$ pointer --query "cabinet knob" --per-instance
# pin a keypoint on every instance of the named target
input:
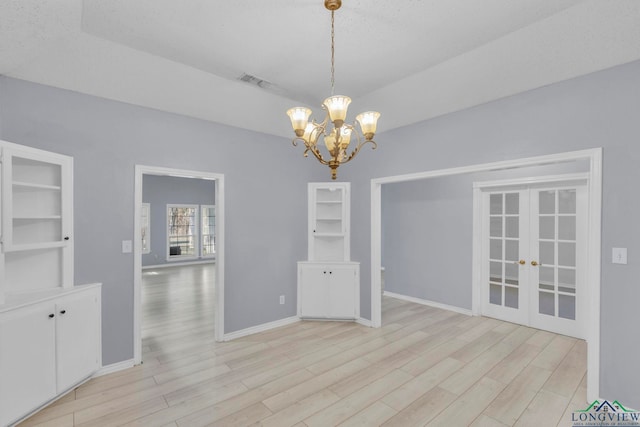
(51, 316)
(63, 311)
(324, 272)
(66, 237)
(331, 272)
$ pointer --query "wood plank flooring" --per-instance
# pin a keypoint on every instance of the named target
(425, 366)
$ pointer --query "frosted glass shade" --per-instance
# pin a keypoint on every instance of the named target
(337, 107)
(307, 133)
(330, 141)
(368, 123)
(345, 138)
(299, 118)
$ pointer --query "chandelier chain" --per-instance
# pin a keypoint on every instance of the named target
(333, 67)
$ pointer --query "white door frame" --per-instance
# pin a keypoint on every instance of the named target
(479, 293)
(594, 156)
(141, 170)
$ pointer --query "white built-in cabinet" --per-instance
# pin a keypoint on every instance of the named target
(328, 282)
(47, 346)
(50, 330)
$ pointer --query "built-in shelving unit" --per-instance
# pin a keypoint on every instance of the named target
(37, 220)
(50, 330)
(328, 282)
(328, 222)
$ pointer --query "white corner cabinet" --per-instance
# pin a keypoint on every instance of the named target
(328, 282)
(50, 330)
(329, 290)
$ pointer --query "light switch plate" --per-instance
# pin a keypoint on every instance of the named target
(127, 247)
(619, 255)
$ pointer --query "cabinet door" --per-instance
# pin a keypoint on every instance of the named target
(78, 335)
(313, 291)
(27, 360)
(341, 291)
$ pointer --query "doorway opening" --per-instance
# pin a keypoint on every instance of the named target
(593, 158)
(200, 243)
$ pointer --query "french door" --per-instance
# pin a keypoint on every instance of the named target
(534, 256)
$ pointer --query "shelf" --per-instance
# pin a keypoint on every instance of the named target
(328, 202)
(329, 219)
(328, 234)
(36, 246)
(31, 186)
(36, 217)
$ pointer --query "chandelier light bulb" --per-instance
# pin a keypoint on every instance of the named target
(368, 123)
(299, 118)
(337, 106)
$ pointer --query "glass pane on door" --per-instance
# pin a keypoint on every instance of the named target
(504, 241)
(557, 253)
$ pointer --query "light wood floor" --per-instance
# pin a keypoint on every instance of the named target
(425, 366)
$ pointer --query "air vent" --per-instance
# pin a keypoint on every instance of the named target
(255, 81)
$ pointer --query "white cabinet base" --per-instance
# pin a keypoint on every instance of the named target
(50, 342)
(329, 290)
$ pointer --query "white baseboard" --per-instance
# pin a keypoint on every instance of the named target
(364, 322)
(429, 303)
(114, 367)
(179, 264)
(260, 328)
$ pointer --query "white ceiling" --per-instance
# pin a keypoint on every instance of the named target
(409, 59)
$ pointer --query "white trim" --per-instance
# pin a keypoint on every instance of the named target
(429, 303)
(566, 179)
(114, 367)
(260, 328)
(594, 155)
(364, 322)
(141, 170)
(593, 272)
(207, 260)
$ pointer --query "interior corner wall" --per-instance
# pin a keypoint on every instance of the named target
(426, 229)
(265, 209)
(596, 110)
(160, 191)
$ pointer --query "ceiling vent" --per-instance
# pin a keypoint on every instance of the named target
(256, 81)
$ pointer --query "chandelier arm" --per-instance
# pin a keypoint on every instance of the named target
(358, 147)
(314, 150)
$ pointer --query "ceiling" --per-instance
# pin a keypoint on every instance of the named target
(409, 59)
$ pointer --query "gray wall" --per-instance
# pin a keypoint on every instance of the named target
(597, 110)
(427, 227)
(265, 231)
(159, 191)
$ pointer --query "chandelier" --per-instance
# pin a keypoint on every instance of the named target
(337, 139)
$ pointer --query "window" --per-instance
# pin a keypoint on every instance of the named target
(145, 227)
(208, 221)
(182, 235)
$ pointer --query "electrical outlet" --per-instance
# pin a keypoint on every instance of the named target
(619, 256)
(281, 299)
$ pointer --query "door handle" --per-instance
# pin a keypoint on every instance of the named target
(521, 262)
(535, 263)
